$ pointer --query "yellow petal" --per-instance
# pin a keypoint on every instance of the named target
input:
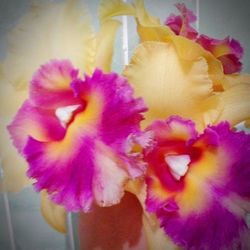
(113, 8)
(170, 85)
(189, 50)
(13, 165)
(235, 104)
(10, 100)
(49, 30)
(54, 214)
(231, 80)
(105, 44)
(149, 28)
(155, 235)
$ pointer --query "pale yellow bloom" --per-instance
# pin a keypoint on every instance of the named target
(176, 76)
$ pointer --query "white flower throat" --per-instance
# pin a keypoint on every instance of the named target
(65, 114)
(178, 165)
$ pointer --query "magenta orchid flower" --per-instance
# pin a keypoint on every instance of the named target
(198, 185)
(74, 135)
(228, 51)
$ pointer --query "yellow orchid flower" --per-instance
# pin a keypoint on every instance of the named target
(186, 79)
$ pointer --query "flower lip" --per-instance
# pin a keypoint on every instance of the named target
(178, 165)
(65, 114)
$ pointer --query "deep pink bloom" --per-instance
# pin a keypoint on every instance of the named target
(198, 185)
(74, 135)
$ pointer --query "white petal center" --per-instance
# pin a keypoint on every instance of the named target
(178, 165)
(64, 114)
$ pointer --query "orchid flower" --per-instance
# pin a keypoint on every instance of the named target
(198, 184)
(72, 146)
(187, 79)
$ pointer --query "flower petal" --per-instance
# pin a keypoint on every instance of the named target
(149, 28)
(54, 215)
(105, 44)
(13, 165)
(180, 87)
(235, 104)
(38, 37)
(114, 8)
(50, 85)
(41, 124)
(181, 24)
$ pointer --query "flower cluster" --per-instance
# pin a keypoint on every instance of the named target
(87, 138)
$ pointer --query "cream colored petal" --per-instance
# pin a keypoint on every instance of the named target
(49, 30)
(113, 8)
(235, 104)
(155, 235)
(10, 100)
(149, 28)
(170, 85)
(54, 214)
(189, 50)
(231, 80)
(105, 44)
(13, 165)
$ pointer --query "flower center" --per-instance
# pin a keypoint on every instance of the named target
(65, 114)
(178, 165)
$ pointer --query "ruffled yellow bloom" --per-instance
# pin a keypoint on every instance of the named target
(48, 30)
(176, 76)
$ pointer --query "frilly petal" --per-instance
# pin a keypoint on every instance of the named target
(41, 124)
(180, 87)
(50, 85)
(54, 214)
(181, 24)
(189, 50)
